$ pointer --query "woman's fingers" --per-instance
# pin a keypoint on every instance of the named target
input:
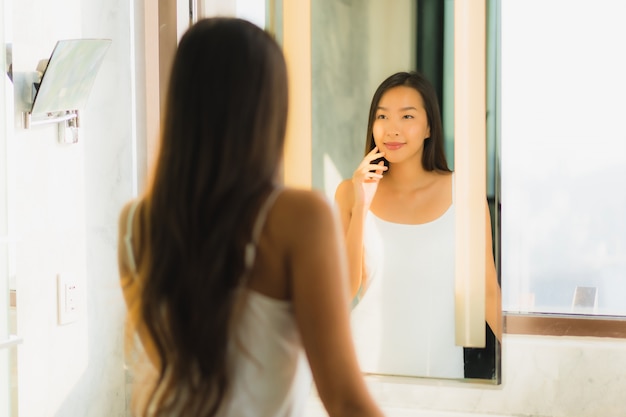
(381, 167)
(367, 164)
(367, 176)
(368, 171)
(373, 151)
(372, 176)
(375, 172)
(372, 155)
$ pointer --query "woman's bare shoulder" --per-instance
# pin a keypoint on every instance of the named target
(344, 195)
(299, 212)
(345, 187)
(443, 179)
(442, 174)
(294, 202)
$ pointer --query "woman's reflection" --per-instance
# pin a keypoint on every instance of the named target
(398, 216)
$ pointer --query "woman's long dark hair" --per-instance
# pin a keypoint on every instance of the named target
(433, 157)
(221, 144)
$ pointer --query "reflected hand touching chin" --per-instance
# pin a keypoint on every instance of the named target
(367, 176)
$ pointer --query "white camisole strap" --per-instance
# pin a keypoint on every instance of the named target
(258, 227)
(250, 247)
(128, 237)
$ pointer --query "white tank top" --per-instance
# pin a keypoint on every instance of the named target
(404, 324)
(271, 376)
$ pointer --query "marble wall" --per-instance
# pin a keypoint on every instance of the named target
(67, 199)
(350, 58)
(542, 377)
(6, 353)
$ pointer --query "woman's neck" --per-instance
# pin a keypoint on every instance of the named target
(407, 175)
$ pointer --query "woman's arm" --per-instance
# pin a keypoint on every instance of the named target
(319, 292)
(352, 220)
(354, 197)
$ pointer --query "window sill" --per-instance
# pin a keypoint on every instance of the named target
(564, 325)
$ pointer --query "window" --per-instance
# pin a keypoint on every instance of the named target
(563, 162)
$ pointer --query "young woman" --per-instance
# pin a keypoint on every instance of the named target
(398, 217)
(226, 286)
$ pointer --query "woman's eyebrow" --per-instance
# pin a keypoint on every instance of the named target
(401, 109)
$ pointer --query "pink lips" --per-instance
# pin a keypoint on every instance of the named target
(392, 146)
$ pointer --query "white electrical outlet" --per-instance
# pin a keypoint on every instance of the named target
(68, 299)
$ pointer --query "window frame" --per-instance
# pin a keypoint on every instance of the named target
(564, 325)
(538, 323)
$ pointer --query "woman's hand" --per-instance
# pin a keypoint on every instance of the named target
(366, 178)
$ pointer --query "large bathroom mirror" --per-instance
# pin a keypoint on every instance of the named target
(355, 45)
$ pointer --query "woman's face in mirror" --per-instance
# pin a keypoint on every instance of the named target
(401, 124)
